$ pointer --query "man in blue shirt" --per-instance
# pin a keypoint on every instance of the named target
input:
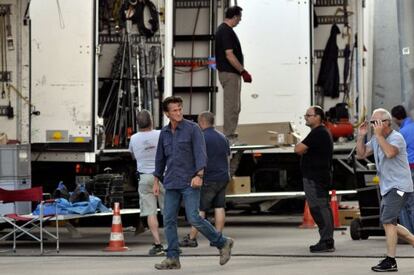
(216, 176)
(179, 163)
(399, 116)
(390, 154)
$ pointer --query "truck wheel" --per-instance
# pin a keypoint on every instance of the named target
(364, 235)
(356, 229)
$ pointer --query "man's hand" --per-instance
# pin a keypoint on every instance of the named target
(363, 129)
(156, 187)
(378, 128)
(196, 182)
(246, 76)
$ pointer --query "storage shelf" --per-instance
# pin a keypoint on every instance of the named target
(319, 53)
(189, 38)
(196, 89)
(329, 3)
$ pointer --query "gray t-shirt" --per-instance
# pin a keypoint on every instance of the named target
(393, 172)
(143, 146)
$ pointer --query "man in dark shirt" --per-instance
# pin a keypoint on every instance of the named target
(230, 64)
(180, 161)
(216, 176)
(316, 165)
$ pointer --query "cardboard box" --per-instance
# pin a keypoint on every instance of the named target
(239, 185)
(277, 133)
(346, 216)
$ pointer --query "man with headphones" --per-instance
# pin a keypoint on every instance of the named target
(316, 152)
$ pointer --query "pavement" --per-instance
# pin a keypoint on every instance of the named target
(264, 244)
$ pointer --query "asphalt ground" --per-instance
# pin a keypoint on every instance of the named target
(264, 244)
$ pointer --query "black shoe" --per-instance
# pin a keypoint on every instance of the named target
(187, 242)
(321, 247)
(156, 250)
(387, 265)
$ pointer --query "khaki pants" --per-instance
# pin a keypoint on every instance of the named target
(231, 83)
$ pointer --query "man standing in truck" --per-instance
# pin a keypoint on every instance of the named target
(230, 64)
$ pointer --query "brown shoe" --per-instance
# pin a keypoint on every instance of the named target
(168, 263)
(225, 251)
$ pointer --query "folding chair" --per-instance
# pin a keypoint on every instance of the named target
(24, 224)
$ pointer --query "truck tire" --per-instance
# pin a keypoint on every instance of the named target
(364, 235)
(355, 229)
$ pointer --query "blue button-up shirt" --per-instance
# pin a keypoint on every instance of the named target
(180, 155)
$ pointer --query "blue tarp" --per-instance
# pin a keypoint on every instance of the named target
(64, 207)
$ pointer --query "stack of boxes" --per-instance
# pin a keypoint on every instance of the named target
(15, 174)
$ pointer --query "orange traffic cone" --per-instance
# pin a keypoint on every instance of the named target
(116, 241)
(308, 221)
(335, 209)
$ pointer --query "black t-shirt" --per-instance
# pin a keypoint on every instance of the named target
(316, 163)
(227, 39)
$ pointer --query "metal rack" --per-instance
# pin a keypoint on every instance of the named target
(182, 40)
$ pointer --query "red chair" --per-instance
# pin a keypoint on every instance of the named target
(23, 224)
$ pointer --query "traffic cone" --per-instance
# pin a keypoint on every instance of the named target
(116, 241)
(308, 221)
(335, 209)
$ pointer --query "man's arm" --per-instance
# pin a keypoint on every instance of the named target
(131, 150)
(160, 160)
(362, 150)
(233, 60)
(200, 156)
(301, 148)
(156, 186)
(389, 150)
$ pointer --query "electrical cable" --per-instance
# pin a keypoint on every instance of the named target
(154, 21)
(3, 92)
(192, 58)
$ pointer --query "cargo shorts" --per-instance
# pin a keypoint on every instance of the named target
(391, 205)
(147, 199)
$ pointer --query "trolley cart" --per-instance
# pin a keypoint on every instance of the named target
(369, 198)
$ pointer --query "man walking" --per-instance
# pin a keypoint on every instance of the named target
(216, 177)
(316, 152)
(180, 162)
(143, 146)
(230, 64)
(406, 125)
(389, 150)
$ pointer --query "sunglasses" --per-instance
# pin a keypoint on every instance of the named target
(373, 121)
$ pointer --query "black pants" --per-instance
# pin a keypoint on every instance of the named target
(318, 200)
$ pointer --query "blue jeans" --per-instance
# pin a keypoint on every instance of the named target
(191, 198)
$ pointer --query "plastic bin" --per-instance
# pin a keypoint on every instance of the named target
(14, 161)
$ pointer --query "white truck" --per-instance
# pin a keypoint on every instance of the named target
(85, 70)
